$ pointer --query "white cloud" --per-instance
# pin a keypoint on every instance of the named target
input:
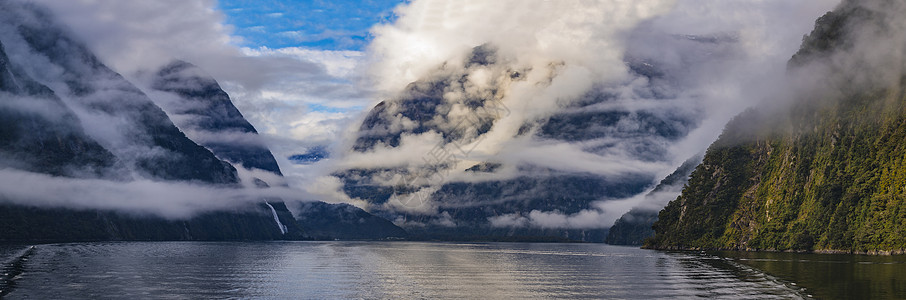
(600, 214)
(719, 56)
(337, 63)
(275, 89)
(134, 35)
(166, 199)
(585, 219)
(429, 33)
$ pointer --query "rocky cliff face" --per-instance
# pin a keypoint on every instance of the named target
(825, 174)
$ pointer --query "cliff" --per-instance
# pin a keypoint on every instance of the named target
(825, 173)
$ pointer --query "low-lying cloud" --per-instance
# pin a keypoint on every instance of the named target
(173, 200)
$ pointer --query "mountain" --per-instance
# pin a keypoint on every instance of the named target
(39, 133)
(825, 173)
(68, 115)
(21, 223)
(207, 114)
(145, 139)
(445, 193)
(315, 154)
(326, 221)
(635, 226)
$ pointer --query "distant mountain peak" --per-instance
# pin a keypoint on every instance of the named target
(207, 114)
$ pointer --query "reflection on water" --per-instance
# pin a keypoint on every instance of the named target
(385, 270)
(831, 276)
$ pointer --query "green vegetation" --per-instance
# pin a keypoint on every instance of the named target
(840, 186)
(827, 176)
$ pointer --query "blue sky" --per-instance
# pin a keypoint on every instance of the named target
(314, 24)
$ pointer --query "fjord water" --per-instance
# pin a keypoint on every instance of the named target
(395, 270)
(833, 276)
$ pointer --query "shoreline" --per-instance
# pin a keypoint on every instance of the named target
(672, 248)
(817, 251)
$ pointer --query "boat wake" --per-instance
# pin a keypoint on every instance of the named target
(12, 270)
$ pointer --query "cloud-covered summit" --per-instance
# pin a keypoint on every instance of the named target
(611, 94)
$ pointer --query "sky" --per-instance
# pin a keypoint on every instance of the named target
(305, 73)
(323, 25)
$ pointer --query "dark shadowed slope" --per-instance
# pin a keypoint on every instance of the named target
(205, 112)
(39, 133)
(635, 226)
(65, 114)
(144, 137)
(208, 115)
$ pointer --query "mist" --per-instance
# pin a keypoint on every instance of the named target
(125, 154)
(693, 64)
(143, 197)
(716, 58)
(870, 56)
(296, 98)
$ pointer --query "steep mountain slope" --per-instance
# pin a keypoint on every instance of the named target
(326, 221)
(635, 226)
(143, 137)
(205, 112)
(39, 133)
(65, 114)
(826, 174)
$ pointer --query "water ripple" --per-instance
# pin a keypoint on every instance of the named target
(378, 270)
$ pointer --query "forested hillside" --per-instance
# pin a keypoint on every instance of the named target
(826, 172)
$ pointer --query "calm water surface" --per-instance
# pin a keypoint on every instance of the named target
(833, 276)
(375, 270)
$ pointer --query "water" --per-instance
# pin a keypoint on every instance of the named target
(375, 270)
(834, 276)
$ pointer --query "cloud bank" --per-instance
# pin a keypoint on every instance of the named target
(691, 64)
(174, 200)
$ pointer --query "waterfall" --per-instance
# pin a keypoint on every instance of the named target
(276, 218)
